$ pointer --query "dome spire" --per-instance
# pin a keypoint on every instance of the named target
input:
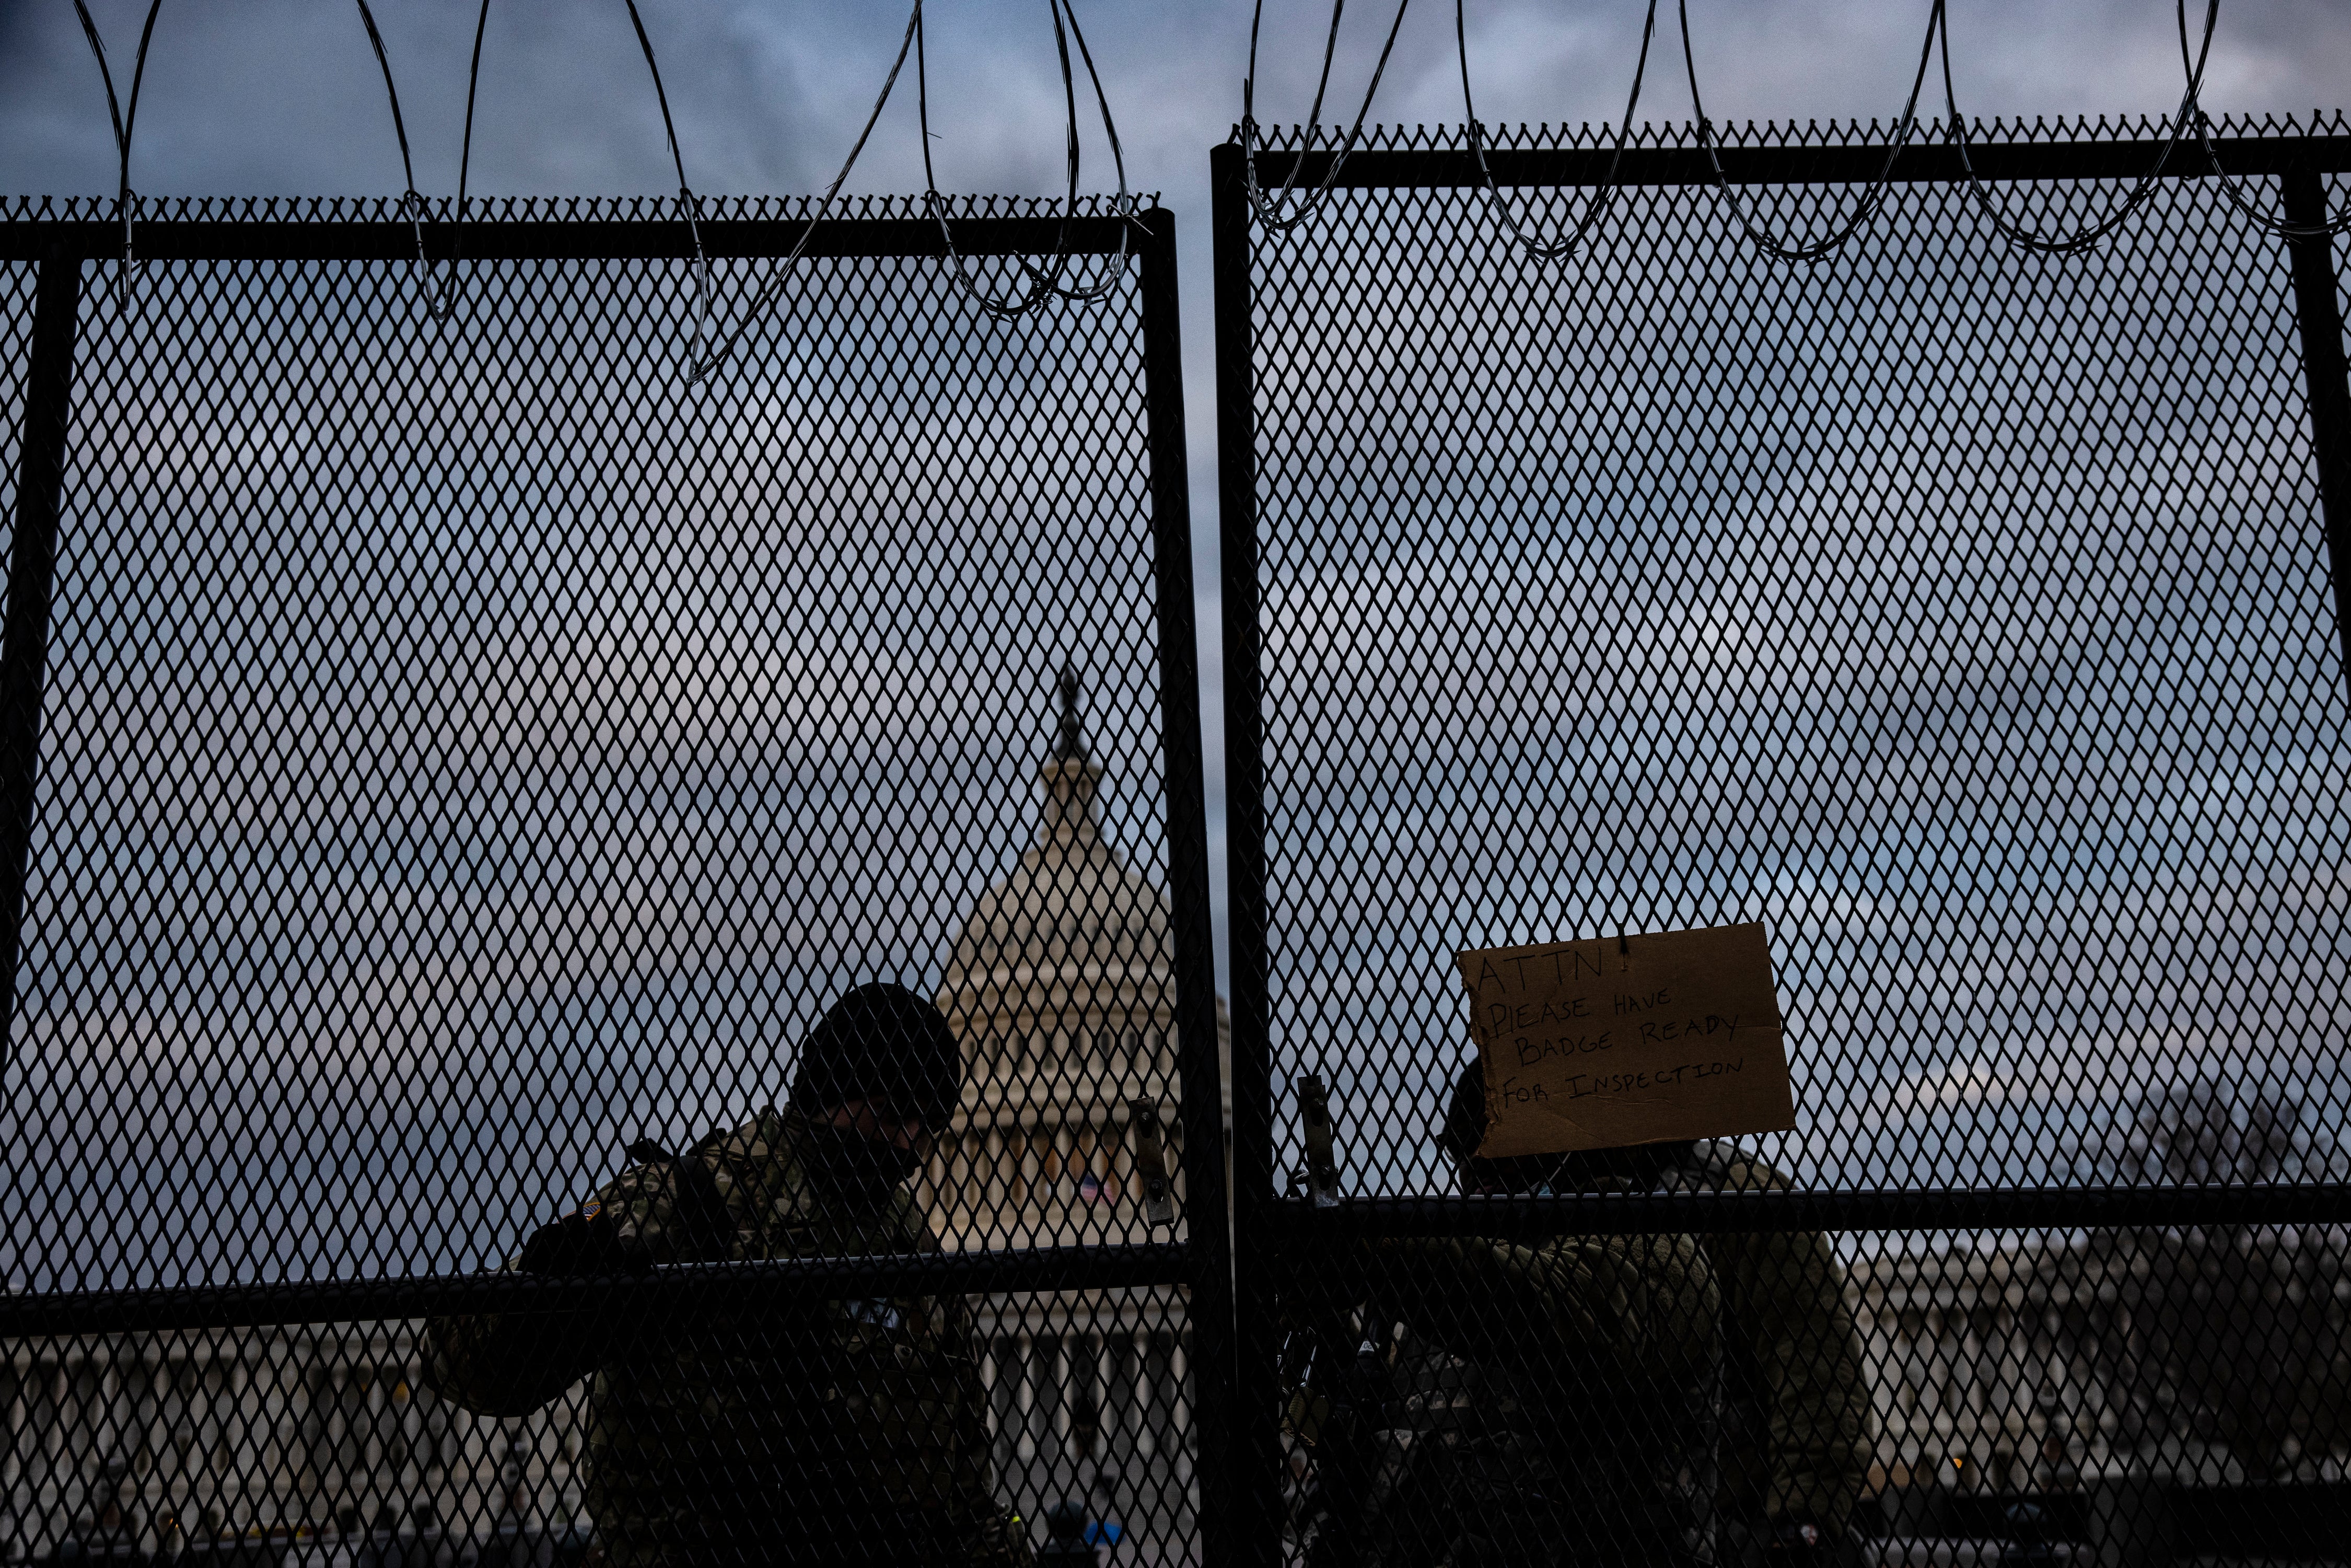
(1069, 773)
(1071, 744)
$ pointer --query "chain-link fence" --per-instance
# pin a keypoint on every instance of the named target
(454, 775)
(1962, 615)
(452, 769)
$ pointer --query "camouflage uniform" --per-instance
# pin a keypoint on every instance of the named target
(1551, 1404)
(823, 1433)
(1796, 1438)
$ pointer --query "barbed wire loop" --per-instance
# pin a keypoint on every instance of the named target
(121, 142)
(2084, 238)
(411, 202)
(1044, 283)
(441, 299)
(125, 122)
(1602, 198)
(1872, 198)
(1276, 214)
(772, 288)
(689, 207)
(2339, 223)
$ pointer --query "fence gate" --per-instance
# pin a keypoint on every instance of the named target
(1962, 612)
(438, 755)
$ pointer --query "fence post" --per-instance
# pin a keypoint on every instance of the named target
(2320, 316)
(32, 570)
(1209, 1254)
(1256, 1453)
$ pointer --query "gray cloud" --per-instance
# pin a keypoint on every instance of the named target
(281, 96)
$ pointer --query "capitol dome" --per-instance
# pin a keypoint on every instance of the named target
(1062, 988)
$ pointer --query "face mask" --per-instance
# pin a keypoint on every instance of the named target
(847, 1164)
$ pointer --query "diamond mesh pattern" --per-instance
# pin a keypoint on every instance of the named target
(16, 283)
(466, 752)
(1961, 615)
(240, 1445)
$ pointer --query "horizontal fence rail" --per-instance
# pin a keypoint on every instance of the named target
(1736, 1213)
(1923, 161)
(663, 1292)
(556, 239)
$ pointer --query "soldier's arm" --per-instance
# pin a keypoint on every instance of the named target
(506, 1364)
(992, 1536)
(511, 1363)
(1786, 1294)
(1614, 1295)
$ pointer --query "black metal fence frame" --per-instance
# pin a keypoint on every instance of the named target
(1232, 1352)
(1264, 1222)
(62, 250)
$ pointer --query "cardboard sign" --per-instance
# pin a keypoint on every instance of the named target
(1628, 1039)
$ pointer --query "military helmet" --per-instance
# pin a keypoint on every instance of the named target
(881, 1042)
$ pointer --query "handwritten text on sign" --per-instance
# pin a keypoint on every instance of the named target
(1630, 1039)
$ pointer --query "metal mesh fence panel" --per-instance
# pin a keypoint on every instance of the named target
(609, 968)
(1961, 615)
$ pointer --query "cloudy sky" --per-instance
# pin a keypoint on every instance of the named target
(281, 96)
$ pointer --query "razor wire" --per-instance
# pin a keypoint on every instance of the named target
(2090, 235)
(125, 123)
(1602, 198)
(411, 201)
(2338, 224)
(1044, 283)
(125, 120)
(441, 303)
(688, 206)
(1872, 198)
(1269, 213)
(2191, 112)
(772, 289)
(442, 291)
(121, 142)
